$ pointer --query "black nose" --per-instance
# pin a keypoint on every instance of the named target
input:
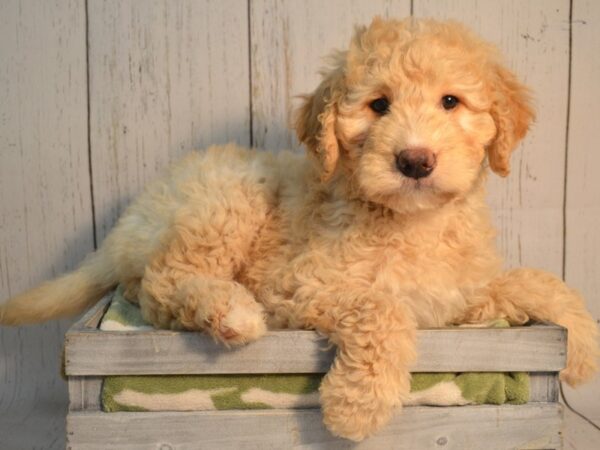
(416, 162)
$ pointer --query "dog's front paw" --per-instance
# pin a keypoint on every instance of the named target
(224, 309)
(353, 407)
(582, 353)
(238, 320)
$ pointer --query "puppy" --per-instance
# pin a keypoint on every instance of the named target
(382, 229)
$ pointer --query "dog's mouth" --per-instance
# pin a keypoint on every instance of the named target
(419, 184)
(412, 185)
(424, 191)
(381, 181)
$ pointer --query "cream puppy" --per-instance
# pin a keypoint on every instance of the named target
(382, 229)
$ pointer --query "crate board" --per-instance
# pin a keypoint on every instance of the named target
(89, 351)
(531, 426)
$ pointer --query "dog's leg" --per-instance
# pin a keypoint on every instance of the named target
(369, 378)
(224, 309)
(520, 294)
(190, 283)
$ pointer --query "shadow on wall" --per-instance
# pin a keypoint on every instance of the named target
(124, 179)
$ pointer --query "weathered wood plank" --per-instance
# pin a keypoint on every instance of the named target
(84, 393)
(165, 77)
(582, 213)
(91, 319)
(527, 205)
(538, 348)
(533, 426)
(289, 42)
(543, 387)
(46, 222)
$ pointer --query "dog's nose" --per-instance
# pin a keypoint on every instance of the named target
(416, 162)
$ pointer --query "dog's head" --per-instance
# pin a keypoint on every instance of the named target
(410, 111)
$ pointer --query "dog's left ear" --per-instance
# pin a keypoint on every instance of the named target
(512, 112)
(315, 122)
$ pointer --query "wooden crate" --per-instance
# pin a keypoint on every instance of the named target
(91, 354)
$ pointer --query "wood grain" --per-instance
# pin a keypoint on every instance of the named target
(91, 319)
(165, 77)
(532, 426)
(527, 205)
(582, 213)
(92, 352)
(84, 393)
(543, 387)
(45, 207)
(289, 43)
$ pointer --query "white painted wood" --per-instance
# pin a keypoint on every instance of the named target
(165, 77)
(533, 426)
(39, 428)
(45, 207)
(92, 318)
(582, 246)
(543, 387)
(93, 352)
(290, 40)
(84, 393)
(534, 38)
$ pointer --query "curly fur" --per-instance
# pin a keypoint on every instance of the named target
(231, 240)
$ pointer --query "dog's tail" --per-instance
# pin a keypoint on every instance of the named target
(66, 296)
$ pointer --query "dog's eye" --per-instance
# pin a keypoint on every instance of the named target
(380, 105)
(449, 102)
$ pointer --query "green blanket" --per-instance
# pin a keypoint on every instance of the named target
(281, 391)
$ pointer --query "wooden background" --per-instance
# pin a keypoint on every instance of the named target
(96, 97)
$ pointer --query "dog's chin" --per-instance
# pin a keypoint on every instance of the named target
(412, 196)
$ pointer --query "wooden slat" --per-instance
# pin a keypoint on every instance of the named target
(45, 208)
(84, 393)
(91, 319)
(582, 213)
(534, 426)
(46, 222)
(537, 348)
(527, 205)
(543, 387)
(165, 77)
(290, 40)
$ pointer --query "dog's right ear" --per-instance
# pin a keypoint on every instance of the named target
(315, 122)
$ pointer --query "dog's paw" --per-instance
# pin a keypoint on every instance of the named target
(224, 309)
(351, 412)
(243, 323)
(238, 320)
(344, 419)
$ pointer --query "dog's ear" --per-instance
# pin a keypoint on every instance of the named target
(512, 112)
(315, 122)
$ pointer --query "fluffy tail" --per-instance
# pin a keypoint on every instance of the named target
(65, 296)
